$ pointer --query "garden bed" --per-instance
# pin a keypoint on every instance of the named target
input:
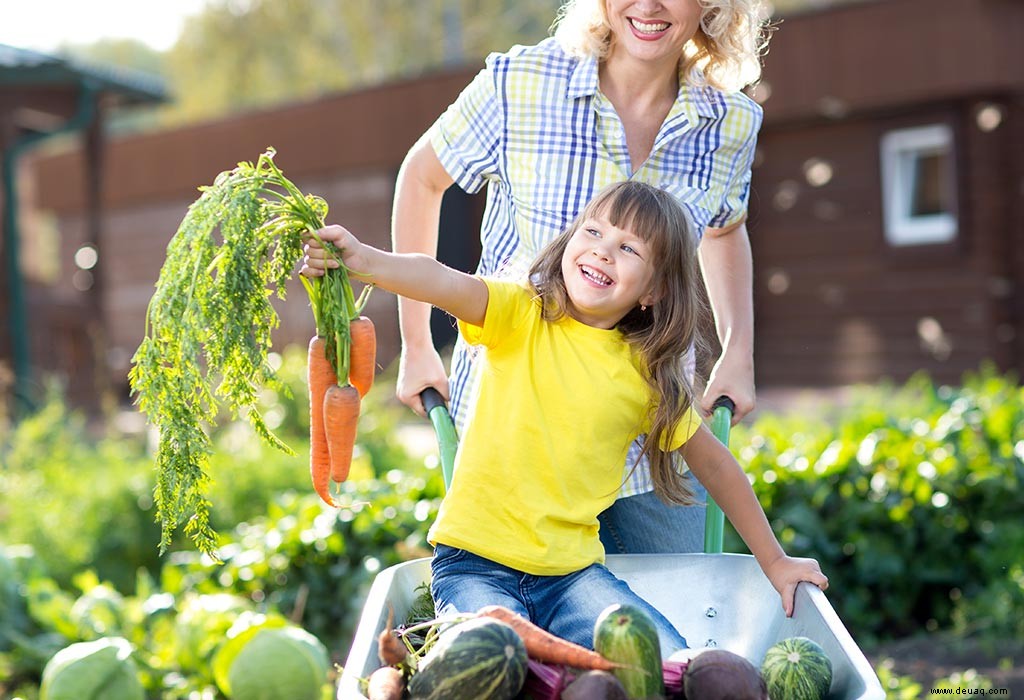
(929, 659)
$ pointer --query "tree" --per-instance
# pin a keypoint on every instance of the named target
(241, 54)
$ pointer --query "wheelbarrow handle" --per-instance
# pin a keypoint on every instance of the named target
(714, 519)
(431, 398)
(444, 431)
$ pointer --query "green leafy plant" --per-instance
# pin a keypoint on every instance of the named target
(917, 483)
(209, 323)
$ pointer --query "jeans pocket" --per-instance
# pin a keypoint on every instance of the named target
(444, 558)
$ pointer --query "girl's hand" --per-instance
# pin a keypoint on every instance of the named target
(318, 259)
(787, 572)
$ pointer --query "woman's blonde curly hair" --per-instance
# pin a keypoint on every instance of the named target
(725, 52)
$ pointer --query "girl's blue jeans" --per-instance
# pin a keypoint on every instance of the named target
(567, 606)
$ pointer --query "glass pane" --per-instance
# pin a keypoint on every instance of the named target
(929, 195)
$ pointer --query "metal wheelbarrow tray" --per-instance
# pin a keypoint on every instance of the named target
(713, 599)
(721, 600)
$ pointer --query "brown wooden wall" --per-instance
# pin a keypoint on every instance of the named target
(834, 303)
(346, 148)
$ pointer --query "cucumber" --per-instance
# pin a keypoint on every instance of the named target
(627, 635)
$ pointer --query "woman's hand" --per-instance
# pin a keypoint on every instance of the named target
(732, 376)
(787, 572)
(419, 368)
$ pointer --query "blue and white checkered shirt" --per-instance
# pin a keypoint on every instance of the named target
(534, 126)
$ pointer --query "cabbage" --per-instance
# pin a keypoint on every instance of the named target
(272, 661)
(100, 670)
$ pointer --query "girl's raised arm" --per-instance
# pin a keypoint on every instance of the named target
(410, 275)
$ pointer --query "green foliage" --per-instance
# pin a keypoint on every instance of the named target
(234, 56)
(919, 485)
(76, 498)
(316, 564)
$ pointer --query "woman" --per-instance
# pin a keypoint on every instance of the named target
(642, 90)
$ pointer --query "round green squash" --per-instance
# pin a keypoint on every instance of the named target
(99, 670)
(797, 669)
(480, 659)
(627, 635)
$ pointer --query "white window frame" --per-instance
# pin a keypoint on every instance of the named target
(900, 149)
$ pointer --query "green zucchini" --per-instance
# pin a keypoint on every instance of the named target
(627, 635)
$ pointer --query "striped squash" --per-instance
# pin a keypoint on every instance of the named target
(797, 669)
(480, 659)
(627, 635)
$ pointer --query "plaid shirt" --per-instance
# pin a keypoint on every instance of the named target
(534, 126)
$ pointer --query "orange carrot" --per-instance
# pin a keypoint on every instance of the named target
(390, 649)
(341, 414)
(543, 646)
(363, 354)
(386, 683)
(319, 376)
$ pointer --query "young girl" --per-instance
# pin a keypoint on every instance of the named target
(578, 361)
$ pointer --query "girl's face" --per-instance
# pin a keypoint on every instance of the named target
(652, 30)
(608, 271)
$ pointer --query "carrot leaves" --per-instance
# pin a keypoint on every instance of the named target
(209, 325)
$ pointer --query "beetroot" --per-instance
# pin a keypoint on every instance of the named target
(718, 674)
(595, 685)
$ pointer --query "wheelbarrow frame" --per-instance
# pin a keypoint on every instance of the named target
(710, 614)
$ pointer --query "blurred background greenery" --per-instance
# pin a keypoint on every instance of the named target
(910, 496)
(236, 56)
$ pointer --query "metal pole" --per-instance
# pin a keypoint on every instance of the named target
(18, 322)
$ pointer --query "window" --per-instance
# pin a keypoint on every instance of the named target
(918, 193)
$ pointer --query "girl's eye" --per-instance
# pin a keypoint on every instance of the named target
(593, 232)
(630, 249)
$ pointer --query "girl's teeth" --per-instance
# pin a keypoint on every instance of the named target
(596, 276)
(650, 27)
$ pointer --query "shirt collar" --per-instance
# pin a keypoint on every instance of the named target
(583, 80)
(694, 101)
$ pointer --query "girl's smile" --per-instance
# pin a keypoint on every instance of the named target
(607, 272)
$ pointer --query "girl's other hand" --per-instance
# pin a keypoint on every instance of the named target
(787, 572)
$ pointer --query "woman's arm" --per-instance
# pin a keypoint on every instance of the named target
(410, 275)
(415, 221)
(726, 262)
(716, 468)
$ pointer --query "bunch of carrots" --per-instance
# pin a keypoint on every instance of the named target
(208, 336)
(340, 370)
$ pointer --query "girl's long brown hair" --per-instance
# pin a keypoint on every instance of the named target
(663, 334)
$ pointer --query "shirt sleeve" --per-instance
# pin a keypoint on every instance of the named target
(685, 429)
(742, 122)
(507, 305)
(467, 136)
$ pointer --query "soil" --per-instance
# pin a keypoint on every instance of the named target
(928, 659)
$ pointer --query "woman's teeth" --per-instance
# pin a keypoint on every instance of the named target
(649, 27)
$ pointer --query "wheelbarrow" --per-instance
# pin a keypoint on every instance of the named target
(715, 599)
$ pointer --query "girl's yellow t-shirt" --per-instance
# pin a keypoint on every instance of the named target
(542, 453)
